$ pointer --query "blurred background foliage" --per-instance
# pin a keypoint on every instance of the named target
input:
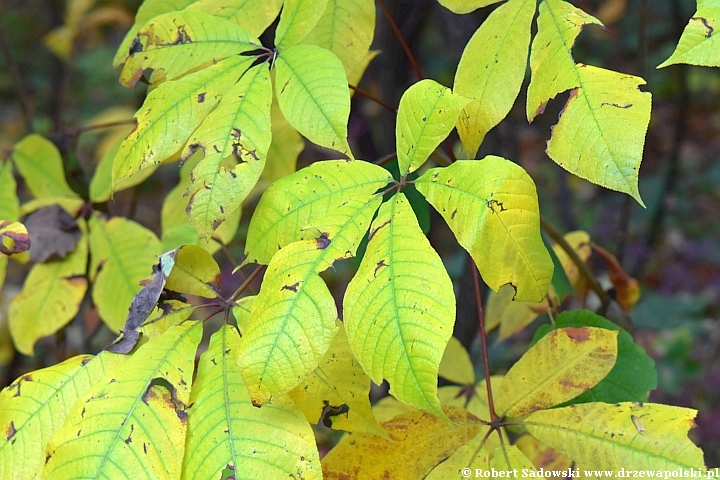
(56, 77)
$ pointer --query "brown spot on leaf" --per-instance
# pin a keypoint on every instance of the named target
(496, 206)
(323, 241)
(10, 431)
(201, 97)
(708, 28)
(379, 265)
(292, 288)
(578, 335)
(331, 411)
(375, 230)
(616, 105)
(182, 36)
(540, 109)
(166, 392)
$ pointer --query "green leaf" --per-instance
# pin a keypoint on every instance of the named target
(292, 323)
(240, 128)
(148, 10)
(176, 43)
(50, 297)
(335, 394)
(252, 15)
(465, 6)
(312, 91)
(605, 436)
(562, 365)
(492, 69)
(131, 424)
(399, 308)
(122, 253)
(284, 149)
(170, 114)
(39, 163)
(699, 44)
(225, 430)
(633, 375)
(601, 132)
(294, 202)
(297, 19)
(560, 281)
(35, 405)
(427, 113)
(9, 202)
(456, 365)
(491, 205)
(346, 28)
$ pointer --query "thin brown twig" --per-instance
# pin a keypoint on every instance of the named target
(401, 39)
(372, 97)
(483, 341)
(582, 268)
(246, 283)
(386, 159)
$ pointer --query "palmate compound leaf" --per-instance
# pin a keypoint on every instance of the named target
(252, 15)
(492, 69)
(297, 19)
(312, 90)
(35, 405)
(227, 433)
(335, 394)
(700, 41)
(492, 208)
(176, 43)
(562, 365)
(427, 113)
(122, 253)
(297, 201)
(632, 377)
(292, 323)
(419, 442)
(50, 297)
(170, 114)
(601, 132)
(132, 424)
(633, 436)
(465, 6)
(399, 309)
(239, 127)
(346, 28)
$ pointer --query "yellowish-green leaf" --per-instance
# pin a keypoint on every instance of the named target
(419, 443)
(252, 15)
(465, 6)
(491, 205)
(601, 132)
(551, 62)
(428, 112)
(543, 456)
(509, 458)
(132, 424)
(511, 316)
(292, 324)
(472, 455)
(633, 436)
(456, 365)
(700, 42)
(225, 430)
(122, 253)
(238, 127)
(195, 272)
(71, 205)
(159, 321)
(399, 309)
(335, 394)
(346, 28)
(297, 19)
(170, 114)
(284, 149)
(177, 43)
(9, 202)
(562, 365)
(312, 91)
(388, 408)
(148, 10)
(35, 405)
(242, 310)
(492, 69)
(50, 297)
(294, 202)
(38, 161)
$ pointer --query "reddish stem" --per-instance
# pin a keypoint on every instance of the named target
(372, 97)
(483, 340)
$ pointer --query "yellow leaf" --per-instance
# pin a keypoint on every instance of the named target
(132, 424)
(71, 204)
(35, 405)
(472, 457)
(38, 161)
(284, 149)
(14, 238)
(9, 203)
(242, 310)
(510, 315)
(122, 253)
(604, 437)
(388, 408)
(419, 442)
(336, 392)
(542, 456)
(580, 242)
(50, 297)
(195, 272)
(562, 365)
(492, 69)
(159, 321)
(227, 433)
(511, 460)
(456, 365)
